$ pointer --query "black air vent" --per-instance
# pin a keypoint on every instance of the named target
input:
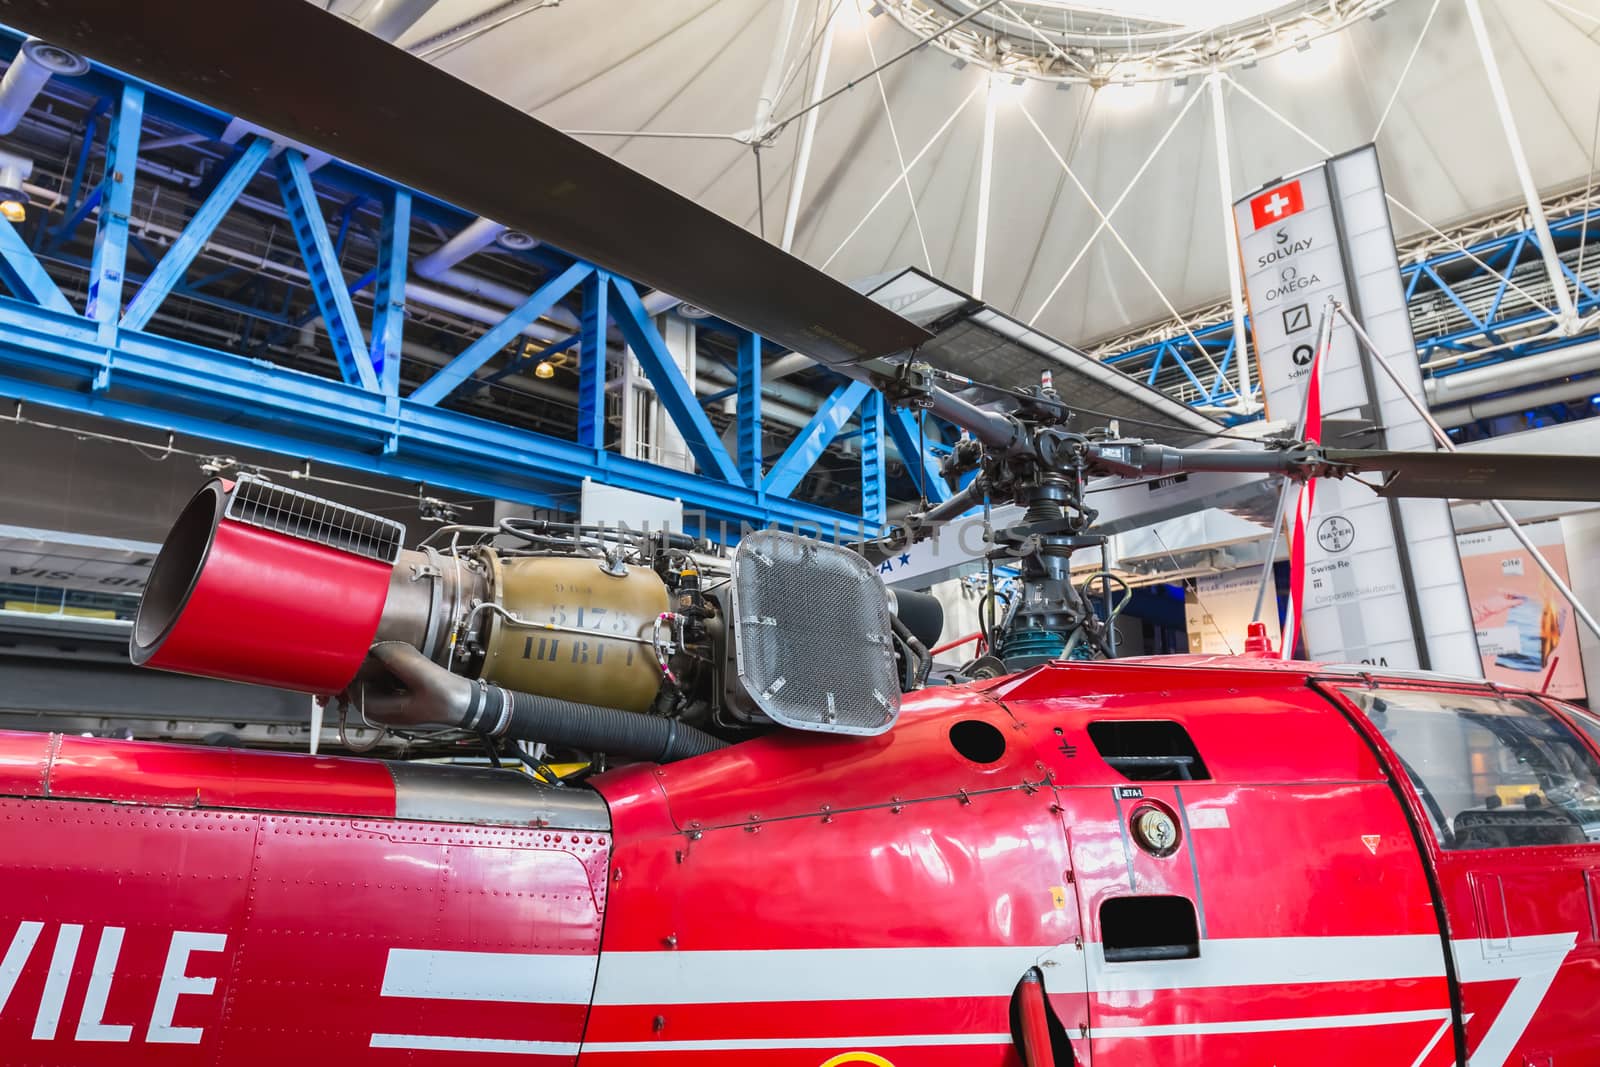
(1149, 750)
(1138, 929)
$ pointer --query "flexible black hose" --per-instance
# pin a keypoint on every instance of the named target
(608, 730)
(435, 696)
(924, 661)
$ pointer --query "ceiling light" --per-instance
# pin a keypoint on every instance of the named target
(516, 240)
(690, 311)
(544, 369)
(14, 170)
(54, 58)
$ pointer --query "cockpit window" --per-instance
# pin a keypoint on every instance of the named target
(1587, 722)
(1492, 772)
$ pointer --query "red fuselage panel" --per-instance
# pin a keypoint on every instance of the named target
(791, 901)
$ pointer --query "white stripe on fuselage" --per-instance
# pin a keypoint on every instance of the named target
(1270, 1026)
(433, 1043)
(751, 976)
(515, 977)
(1533, 962)
(757, 1044)
(743, 976)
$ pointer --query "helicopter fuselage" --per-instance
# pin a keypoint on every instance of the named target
(1207, 860)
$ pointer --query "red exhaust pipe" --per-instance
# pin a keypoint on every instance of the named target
(260, 583)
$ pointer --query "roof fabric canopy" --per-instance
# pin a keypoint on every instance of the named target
(699, 66)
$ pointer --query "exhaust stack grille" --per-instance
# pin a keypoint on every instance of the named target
(256, 501)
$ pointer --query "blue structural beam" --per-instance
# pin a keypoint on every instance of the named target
(51, 358)
(814, 438)
(592, 360)
(170, 271)
(874, 477)
(389, 292)
(51, 354)
(327, 281)
(748, 429)
(1474, 281)
(116, 203)
(72, 208)
(921, 465)
(24, 275)
(489, 344)
(672, 389)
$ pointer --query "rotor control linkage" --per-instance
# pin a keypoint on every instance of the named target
(1132, 459)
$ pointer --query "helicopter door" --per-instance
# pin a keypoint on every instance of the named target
(1138, 898)
(1511, 796)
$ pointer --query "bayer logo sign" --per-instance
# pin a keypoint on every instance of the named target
(1335, 533)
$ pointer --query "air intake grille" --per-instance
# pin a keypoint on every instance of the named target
(258, 502)
(811, 635)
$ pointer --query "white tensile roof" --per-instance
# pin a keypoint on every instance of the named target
(698, 66)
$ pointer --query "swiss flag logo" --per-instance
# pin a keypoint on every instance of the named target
(1275, 205)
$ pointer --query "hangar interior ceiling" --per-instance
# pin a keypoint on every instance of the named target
(672, 90)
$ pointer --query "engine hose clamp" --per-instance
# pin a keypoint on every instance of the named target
(475, 706)
(672, 737)
(504, 722)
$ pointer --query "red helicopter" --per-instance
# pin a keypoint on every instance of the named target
(753, 833)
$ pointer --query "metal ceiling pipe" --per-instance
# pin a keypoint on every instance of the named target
(1559, 393)
(655, 303)
(524, 383)
(775, 71)
(428, 296)
(389, 19)
(808, 133)
(790, 405)
(783, 366)
(473, 238)
(37, 61)
(451, 304)
(1528, 370)
(425, 295)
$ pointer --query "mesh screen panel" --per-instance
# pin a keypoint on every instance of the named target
(812, 635)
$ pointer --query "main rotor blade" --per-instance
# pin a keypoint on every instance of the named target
(1477, 475)
(312, 77)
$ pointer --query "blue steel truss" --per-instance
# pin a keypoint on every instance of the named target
(1469, 308)
(322, 265)
(103, 360)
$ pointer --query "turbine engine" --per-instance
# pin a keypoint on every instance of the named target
(635, 645)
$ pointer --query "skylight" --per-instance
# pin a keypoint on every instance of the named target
(1190, 14)
(1103, 42)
